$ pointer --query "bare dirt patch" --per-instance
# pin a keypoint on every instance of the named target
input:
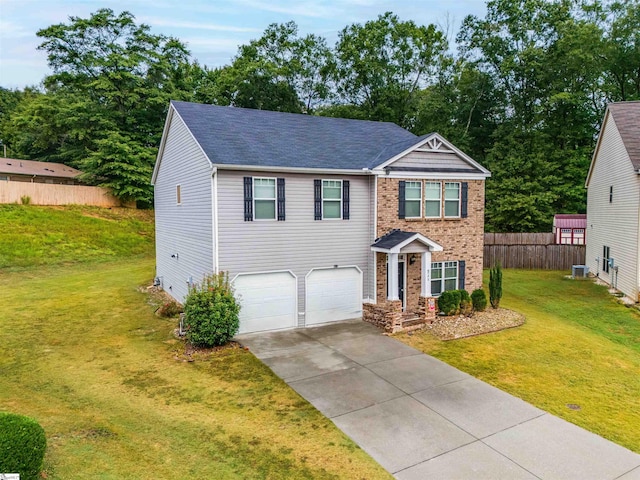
(461, 326)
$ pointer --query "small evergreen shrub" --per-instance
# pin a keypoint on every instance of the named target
(25, 200)
(465, 302)
(22, 446)
(449, 302)
(169, 309)
(211, 312)
(495, 285)
(479, 300)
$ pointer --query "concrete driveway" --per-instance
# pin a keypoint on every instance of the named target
(421, 418)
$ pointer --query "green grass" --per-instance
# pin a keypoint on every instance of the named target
(578, 346)
(34, 236)
(83, 353)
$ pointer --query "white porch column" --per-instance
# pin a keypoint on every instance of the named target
(425, 285)
(392, 284)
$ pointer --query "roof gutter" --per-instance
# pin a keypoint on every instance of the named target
(326, 171)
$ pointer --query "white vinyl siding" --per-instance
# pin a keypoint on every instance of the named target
(432, 199)
(264, 198)
(444, 277)
(183, 211)
(331, 199)
(451, 199)
(614, 224)
(300, 244)
(413, 200)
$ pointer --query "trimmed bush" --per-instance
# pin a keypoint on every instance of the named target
(465, 303)
(169, 309)
(479, 300)
(211, 312)
(449, 302)
(22, 446)
(495, 285)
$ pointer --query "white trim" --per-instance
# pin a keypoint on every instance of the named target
(373, 237)
(425, 271)
(433, 246)
(275, 198)
(173, 111)
(322, 200)
(432, 175)
(392, 276)
(463, 156)
(324, 171)
(214, 214)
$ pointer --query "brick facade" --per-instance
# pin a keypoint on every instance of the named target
(461, 238)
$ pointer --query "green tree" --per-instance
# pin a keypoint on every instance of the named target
(383, 64)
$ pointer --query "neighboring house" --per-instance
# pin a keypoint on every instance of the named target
(38, 172)
(314, 216)
(613, 200)
(569, 229)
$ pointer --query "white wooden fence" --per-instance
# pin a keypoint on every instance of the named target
(52, 194)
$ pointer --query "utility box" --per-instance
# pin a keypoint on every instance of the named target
(579, 271)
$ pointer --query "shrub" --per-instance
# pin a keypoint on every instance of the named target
(449, 302)
(211, 312)
(479, 300)
(169, 309)
(22, 446)
(495, 285)
(465, 302)
(25, 200)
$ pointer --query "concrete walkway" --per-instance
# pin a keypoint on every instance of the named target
(421, 418)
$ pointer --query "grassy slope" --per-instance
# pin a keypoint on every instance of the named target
(84, 355)
(578, 346)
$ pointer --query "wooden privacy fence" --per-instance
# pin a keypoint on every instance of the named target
(531, 251)
(52, 194)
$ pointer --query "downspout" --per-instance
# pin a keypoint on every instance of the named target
(374, 223)
(214, 218)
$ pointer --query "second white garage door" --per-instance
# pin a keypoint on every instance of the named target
(268, 301)
(333, 294)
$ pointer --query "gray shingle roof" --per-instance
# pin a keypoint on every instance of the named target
(392, 239)
(627, 118)
(240, 136)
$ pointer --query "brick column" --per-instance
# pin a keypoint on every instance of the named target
(394, 315)
(427, 308)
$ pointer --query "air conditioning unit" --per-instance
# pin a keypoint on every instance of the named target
(579, 271)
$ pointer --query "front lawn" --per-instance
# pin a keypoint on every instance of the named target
(578, 347)
(83, 353)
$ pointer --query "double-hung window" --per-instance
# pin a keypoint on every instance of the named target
(413, 200)
(331, 199)
(432, 199)
(444, 276)
(264, 198)
(452, 199)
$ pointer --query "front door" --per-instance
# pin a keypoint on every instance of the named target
(401, 281)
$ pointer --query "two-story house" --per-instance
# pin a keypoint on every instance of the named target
(312, 217)
(613, 200)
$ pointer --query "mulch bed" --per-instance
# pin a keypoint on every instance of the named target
(461, 326)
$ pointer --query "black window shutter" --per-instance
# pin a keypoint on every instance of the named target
(281, 215)
(248, 199)
(401, 199)
(461, 268)
(345, 199)
(317, 199)
(463, 199)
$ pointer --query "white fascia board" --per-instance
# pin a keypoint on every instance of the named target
(597, 149)
(433, 246)
(448, 144)
(432, 175)
(163, 141)
(325, 171)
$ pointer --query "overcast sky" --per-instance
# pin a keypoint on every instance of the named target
(212, 30)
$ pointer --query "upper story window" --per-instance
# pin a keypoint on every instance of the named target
(264, 199)
(331, 199)
(441, 199)
(452, 199)
(413, 200)
(432, 199)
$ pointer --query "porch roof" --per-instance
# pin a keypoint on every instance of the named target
(393, 242)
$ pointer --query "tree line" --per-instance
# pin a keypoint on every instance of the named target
(523, 92)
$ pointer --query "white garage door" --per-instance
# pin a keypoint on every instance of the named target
(333, 294)
(268, 301)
